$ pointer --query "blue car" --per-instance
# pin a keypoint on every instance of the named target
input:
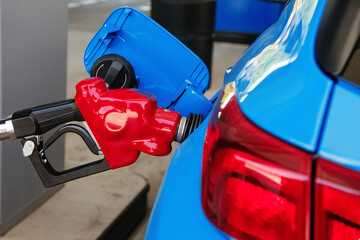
(278, 157)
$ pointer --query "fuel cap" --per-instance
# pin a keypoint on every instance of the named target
(115, 70)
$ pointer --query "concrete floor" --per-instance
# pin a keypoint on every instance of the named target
(85, 18)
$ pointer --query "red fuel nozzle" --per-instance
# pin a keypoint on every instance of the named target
(126, 122)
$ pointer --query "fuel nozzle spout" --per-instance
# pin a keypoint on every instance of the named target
(187, 126)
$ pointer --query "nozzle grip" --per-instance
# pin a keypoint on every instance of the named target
(51, 177)
(38, 120)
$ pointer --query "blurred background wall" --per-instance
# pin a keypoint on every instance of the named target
(33, 41)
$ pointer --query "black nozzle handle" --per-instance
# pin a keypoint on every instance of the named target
(38, 120)
(47, 173)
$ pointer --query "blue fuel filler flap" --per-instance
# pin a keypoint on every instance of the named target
(162, 64)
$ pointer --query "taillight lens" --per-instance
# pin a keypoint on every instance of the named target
(254, 186)
(337, 202)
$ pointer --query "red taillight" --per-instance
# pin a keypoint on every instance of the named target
(254, 186)
(337, 202)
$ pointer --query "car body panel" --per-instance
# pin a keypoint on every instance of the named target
(177, 212)
(246, 16)
(340, 142)
(280, 85)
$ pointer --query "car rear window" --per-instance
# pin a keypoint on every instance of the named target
(352, 69)
(337, 43)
